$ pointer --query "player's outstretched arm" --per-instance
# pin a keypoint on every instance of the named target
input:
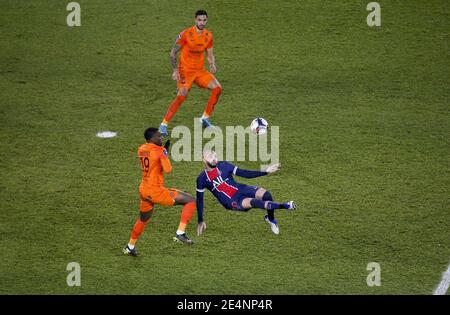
(252, 173)
(248, 173)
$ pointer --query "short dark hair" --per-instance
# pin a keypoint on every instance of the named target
(149, 132)
(201, 12)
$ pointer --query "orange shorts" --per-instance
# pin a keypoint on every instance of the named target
(162, 196)
(199, 77)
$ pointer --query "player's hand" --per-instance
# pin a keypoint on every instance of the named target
(176, 75)
(167, 145)
(212, 68)
(273, 168)
(200, 228)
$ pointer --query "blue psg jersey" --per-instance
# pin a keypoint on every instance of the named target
(222, 185)
(220, 182)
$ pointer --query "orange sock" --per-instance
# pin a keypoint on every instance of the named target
(137, 230)
(173, 108)
(186, 215)
(212, 101)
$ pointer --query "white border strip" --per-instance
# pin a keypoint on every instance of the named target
(444, 284)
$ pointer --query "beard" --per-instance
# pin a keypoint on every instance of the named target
(211, 165)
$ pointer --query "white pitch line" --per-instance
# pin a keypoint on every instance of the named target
(106, 134)
(443, 285)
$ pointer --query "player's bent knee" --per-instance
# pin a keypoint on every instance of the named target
(246, 204)
(145, 216)
(260, 193)
(214, 85)
(218, 90)
(182, 92)
(267, 196)
(190, 199)
(183, 198)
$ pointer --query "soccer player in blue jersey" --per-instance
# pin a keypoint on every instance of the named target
(217, 177)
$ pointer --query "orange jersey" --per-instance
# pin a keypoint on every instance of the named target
(154, 161)
(193, 47)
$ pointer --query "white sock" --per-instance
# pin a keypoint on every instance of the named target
(204, 117)
(163, 124)
(130, 246)
(179, 232)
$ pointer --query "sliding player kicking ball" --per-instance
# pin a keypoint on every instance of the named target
(217, 177)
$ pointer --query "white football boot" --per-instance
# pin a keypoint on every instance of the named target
(292, 205)
(273, 224)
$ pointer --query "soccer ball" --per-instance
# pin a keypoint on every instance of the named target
(259, 126)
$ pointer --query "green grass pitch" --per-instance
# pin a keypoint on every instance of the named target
(364, 118)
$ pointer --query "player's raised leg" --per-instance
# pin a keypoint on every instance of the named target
(187, 213)
(263, 200)
(268, 205)
(173, 108)
(265, 195)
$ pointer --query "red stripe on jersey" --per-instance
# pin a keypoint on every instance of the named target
(227, 189)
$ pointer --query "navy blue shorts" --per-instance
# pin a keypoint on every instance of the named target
(244, 191)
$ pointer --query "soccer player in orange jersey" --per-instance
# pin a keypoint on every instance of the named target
(193, 42)
(154, 163)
